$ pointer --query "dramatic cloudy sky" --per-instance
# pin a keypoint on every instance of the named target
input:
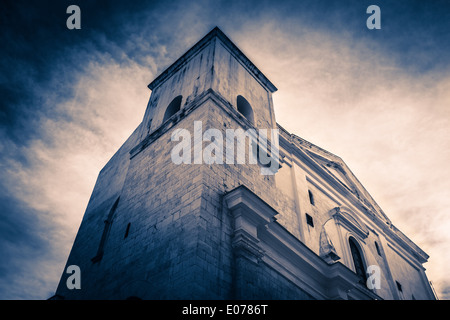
(380, 99)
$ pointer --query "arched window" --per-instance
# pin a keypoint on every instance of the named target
(245, 108)
(358, 260)
(172, 108)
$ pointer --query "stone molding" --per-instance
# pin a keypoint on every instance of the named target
(258, 235)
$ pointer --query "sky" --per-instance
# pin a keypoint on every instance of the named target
(379, 99)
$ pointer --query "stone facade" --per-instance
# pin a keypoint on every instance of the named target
(154, 229)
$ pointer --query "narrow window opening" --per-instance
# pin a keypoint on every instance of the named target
(399, 286)
(127, 230)
(309, 220)
(311, 197)
(378, 248)
(108, 222)
(245, 108)
(400, 290)
(172, 108)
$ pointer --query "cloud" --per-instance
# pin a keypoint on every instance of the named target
(21, 244)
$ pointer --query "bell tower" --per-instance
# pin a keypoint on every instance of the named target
(216, 65)
(154, 229)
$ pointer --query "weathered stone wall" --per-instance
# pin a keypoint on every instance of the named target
(232, 79)
(161, 201)
(261, 282)
(409, 276)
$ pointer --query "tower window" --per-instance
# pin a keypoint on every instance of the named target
(399, 286)
(127, 230)
(311, 197)
(172, 108)
(245, 108)
(400, 290)
(378, 248)
(309, 220)
(105, 234)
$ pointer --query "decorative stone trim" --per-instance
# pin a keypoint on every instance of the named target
(350, 222)
(261, 239)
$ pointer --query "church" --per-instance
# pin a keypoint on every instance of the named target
(155, 228)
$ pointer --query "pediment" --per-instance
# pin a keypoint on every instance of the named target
(345, 217)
